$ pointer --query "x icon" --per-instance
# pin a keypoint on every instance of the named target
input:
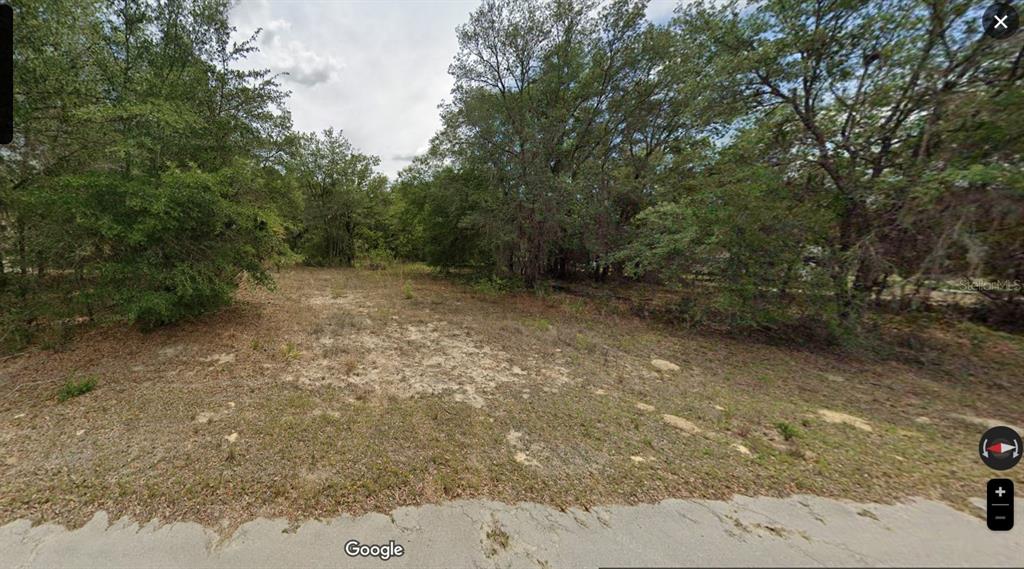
(1001, 22)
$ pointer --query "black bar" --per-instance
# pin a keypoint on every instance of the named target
(6, 74)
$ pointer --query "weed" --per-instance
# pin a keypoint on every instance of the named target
(542, 324)
(290, 352)
(350, 364)
(74, 388)
(584, 343)
(378, 259)
(788, 431)
(499, 539)
(495, 285)
(256, 345)
(407, 291)
(575, 305)
(342, 322)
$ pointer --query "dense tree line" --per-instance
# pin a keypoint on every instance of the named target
(778, 161)
(789, 159)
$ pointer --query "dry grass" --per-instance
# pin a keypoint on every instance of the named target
(354, 390)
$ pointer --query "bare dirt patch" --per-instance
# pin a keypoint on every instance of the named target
(844, 419)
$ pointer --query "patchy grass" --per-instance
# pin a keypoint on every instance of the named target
(455, 394)
(498, 539)
(76, 387)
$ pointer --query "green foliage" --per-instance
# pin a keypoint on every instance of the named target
(178, 244)
(143, 180)
(788, 431)
(496, 285)
(345, 207)
(547, 152)
(741, 242)
(441, 214)
(75, 387)
(779, 162)
(377, 259)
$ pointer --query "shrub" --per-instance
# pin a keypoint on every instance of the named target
(377, 259)
(176, 246)
(494, 284)
(788, 431)
(746, 253)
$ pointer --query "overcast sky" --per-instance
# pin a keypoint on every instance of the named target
(375, 69)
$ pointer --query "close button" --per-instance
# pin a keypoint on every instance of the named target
(1000, 20)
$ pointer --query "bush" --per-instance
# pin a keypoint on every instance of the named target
(377, 259)
(744, 251)
(176, 246)
(494, 285)
(788, 431)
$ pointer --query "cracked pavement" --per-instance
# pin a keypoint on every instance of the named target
(799, 530)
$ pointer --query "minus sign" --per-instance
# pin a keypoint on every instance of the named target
(1000, 517)
(1000, 504)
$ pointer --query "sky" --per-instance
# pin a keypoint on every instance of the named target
(374, 69)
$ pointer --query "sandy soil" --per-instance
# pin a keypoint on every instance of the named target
(354, 391)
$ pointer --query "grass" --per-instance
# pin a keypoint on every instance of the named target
(75, 388)
(337, 427)
(542, 324)
(289, 351)
(788, 432)
(499, 539)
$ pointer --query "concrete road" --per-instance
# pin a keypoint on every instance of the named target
(801, 530)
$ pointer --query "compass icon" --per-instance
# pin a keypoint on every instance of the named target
(1000, 448)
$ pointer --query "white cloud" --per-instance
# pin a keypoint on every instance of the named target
(303, 65)
(272, 30)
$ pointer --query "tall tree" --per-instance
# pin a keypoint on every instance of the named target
(344, 198)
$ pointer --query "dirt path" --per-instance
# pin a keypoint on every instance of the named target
(349, 391)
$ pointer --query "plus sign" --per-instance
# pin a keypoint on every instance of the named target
(1000, 491)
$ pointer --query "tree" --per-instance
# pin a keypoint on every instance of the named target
(126, 108)
(344, 199)
(867, 84)
(566, 109)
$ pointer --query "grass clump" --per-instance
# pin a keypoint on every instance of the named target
(788, 431)
(290, 351)
(74, 388)
(542, 324)
(495, 285)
